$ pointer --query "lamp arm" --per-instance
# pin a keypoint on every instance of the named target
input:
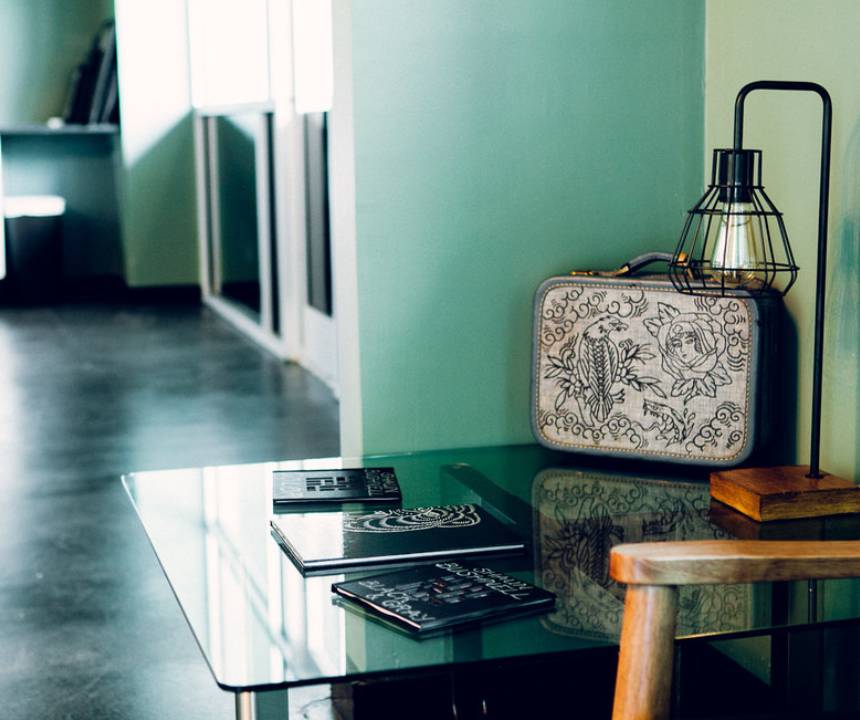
(821, 272)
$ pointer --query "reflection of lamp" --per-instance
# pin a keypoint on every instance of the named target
(735, 243)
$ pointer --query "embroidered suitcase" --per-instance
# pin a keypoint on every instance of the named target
(624, 365)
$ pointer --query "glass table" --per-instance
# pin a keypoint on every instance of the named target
(263, 628)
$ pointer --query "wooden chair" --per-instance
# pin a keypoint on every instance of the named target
(654, 571)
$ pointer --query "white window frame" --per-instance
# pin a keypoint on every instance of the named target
(260, 329)
(307, 336)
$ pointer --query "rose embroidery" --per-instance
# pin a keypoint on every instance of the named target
(691, 345)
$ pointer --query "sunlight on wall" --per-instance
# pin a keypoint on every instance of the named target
(229, 51)
(157, 191)
(312, 48)
(152, 73)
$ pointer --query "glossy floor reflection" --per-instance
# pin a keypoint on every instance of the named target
(88, 626)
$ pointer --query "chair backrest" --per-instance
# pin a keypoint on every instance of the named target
(654, 571)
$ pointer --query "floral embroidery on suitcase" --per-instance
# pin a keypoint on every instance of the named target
(635, 368)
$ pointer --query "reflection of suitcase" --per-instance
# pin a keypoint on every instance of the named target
(580, 516)
(627, 366)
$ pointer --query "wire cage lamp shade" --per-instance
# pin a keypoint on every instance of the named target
(734, 240)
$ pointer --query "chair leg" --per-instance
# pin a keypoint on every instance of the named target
(643, 685)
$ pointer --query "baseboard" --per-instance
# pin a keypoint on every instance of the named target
(165, 295)
(99, 289)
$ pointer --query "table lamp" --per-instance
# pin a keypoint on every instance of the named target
(734, 242)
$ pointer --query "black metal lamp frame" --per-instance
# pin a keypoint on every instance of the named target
(735, 197)
(683, 268)
(821, 271)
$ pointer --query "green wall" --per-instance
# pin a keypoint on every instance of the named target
(497, 143)
(42, 42)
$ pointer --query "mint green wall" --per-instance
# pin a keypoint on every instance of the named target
(498, 143)
(41, 42)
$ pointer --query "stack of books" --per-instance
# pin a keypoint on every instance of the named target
(93, 96)
(437, 591)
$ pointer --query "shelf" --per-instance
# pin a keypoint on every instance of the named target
(36, 129)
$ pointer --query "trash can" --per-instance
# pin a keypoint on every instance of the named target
(34, 247)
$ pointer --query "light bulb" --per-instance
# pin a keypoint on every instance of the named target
(735, 257)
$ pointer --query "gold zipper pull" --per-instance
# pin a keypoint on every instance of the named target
(623, 270)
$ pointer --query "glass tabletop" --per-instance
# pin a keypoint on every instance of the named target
(261, 625)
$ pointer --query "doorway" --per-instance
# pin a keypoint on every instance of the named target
(261, 128)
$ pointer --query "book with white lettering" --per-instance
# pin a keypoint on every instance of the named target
(429, 598)
(334, 541)
(308, 488)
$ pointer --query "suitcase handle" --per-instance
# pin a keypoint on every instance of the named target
(629, 268)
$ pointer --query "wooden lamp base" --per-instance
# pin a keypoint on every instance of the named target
(784, 493)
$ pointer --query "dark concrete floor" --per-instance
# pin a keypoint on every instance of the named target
(88, 626)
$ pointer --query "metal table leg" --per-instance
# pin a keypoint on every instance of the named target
(272, 705)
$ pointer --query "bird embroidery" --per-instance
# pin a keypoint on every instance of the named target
(597, 366)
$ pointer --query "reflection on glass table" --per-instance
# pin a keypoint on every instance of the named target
(263, 626)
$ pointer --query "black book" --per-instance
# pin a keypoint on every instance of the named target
(312, 487)
(321, 542)
(80, 98)
(106, 42)
(73, 93)
(110, 113)
(430, 598)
